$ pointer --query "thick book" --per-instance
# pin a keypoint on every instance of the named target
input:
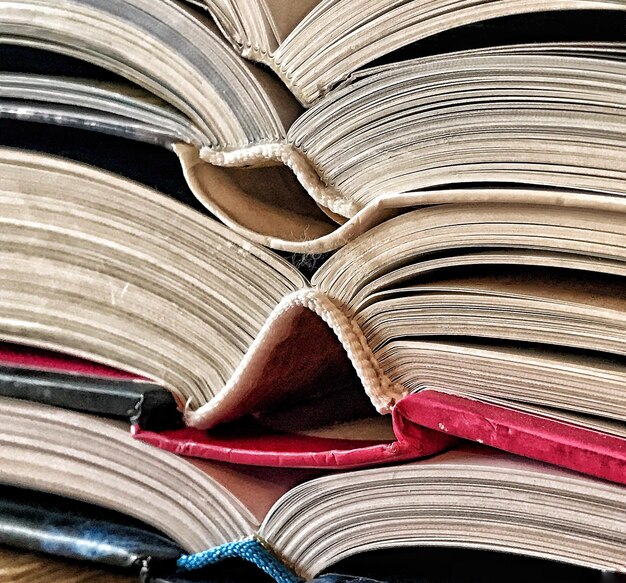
(490, 124)
(475, 191)
(292, 524)
(314, 45)
(62, 527)
(504, 306)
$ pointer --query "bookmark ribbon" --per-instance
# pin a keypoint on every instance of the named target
(250, 550)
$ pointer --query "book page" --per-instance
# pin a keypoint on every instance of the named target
(472, 496)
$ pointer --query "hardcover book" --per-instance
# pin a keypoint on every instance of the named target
(314, 45)
(293, 525)
(480, 125)
(514, 311)
(461, 166)
(74, 383)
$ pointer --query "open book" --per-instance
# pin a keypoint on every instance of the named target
(515, 307)
(437, 129)
(314, 45)
(293, 526)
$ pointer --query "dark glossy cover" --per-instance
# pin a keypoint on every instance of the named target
(68, 528)
(73, 383)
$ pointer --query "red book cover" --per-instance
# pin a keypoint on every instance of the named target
(255, 446)
(534, 436)
(424, 423)
(28, 357)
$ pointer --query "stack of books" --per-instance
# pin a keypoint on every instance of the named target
(352, 272)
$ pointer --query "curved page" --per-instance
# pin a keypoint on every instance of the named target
(90, 459)
(332, 40)
(472, 497)
(102, 268)
(313, 183)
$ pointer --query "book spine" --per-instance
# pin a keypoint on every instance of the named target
(137, 401)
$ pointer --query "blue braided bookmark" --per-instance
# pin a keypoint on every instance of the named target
(250, 550)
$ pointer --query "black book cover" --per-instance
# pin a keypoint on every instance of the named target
(138, 401)
(67, 528)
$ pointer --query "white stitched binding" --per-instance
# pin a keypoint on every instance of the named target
(382, 392)
(291, 157)
(378, 387)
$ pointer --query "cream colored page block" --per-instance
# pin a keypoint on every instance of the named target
(334, 39)
(544, 377)
(476, 498)
(388, 254)
(97, 461)
(105, 269)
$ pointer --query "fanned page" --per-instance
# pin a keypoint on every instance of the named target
(538, 292)
(471, 496)
(95, 460)
(437, 126)
(102, 268)
(332, 40)
(258, 28)
(98, 267)
(109, 106)
(312, 181)
(542, 336)
(174, 53)
(193, 91)
(208, 505)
